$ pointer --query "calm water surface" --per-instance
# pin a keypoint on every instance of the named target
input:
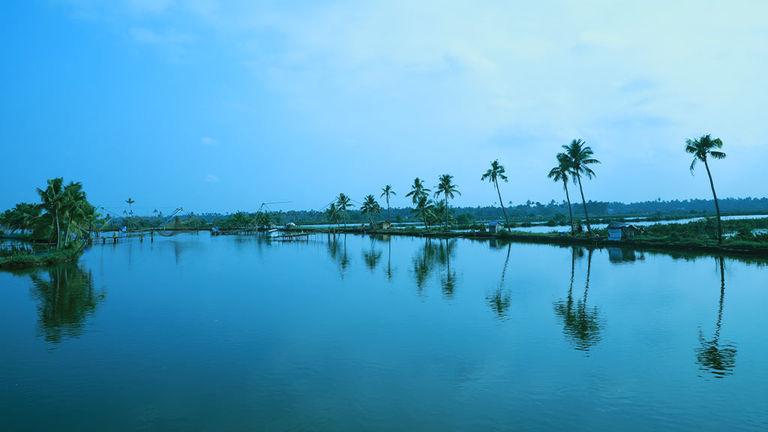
(357, 333)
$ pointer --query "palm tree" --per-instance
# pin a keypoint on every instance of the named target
(418, 191)
(425, 209)
(52, 201)
(579, 157)
(370, 207)
(493, 175)
(702, 149)
(332, 213)
(130, 203)
(561, 172)
(447, 189)
(342, 204)
(386, 192)
(714, 356)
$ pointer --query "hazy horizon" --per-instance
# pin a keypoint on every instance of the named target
(219, 106)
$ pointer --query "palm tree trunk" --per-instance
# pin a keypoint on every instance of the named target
(568, 198)
(58, 230)
(583, 201)
(389, 213)
(446, 211)
(717, 205)
(504, 210)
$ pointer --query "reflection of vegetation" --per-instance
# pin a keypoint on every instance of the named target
(712, 356)
(580, 323)
(66, 299)
(372, 256)
(445, 252)
(338, 252)
(423, 263)
(500, 300)
(388, 270)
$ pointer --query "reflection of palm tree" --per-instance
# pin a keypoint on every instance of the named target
(720, 360)
(448, 282)
(66, 300)
(500, 301)
(580, 323)
(338, 253)
(388, 271)
(372, 256)
(423, 264)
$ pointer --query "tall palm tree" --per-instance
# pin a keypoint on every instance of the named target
(370, 207)
(418, 191)
(447, 189)
(493, 175)
(702, 149)
(342, 204)
(52, 198)
(130, 203)
(387, 192)
(561, 172)
(580, 156)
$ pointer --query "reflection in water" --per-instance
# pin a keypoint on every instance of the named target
(66, 299)
(372, 256)
(388, 270)
(712, 356)
(423, 263)
(620, 255)
(580, 323)
(448, 280)
(338, 252)
(500, 301)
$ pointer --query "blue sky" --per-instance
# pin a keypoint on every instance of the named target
(221, 105)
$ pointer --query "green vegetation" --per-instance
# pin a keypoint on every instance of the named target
(447, 189)
(386, 193)
(562, 172)
(370, 207)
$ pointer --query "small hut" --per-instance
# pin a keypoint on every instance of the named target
(495, 227)
(621, 231)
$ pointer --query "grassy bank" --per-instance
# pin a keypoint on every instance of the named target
(29, 260)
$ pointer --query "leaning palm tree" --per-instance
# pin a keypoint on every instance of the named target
(579, 157)
(342, 204)
(561, 173)
(386, 192)
(370, 207)
(702, 149)
(447, 189)
(418, 191)
(493, 175)
(332, 213)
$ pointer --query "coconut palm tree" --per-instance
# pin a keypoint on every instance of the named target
(52, 198)
(130, 203)
(447, 189)
(418, 191)
(579, 157)
(493, 175)
(370, 207)
(561, 172)
(386, 193)
(342, 204)
(425, 209)
(702, 149)
(332, 213)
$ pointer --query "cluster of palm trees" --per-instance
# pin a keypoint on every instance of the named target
(574, 163)
(63, 215)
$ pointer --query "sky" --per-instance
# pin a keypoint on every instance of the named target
(215, 105)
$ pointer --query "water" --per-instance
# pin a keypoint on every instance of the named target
(231, 333)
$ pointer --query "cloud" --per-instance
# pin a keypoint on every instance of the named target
(211, 178)
(208, 141)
